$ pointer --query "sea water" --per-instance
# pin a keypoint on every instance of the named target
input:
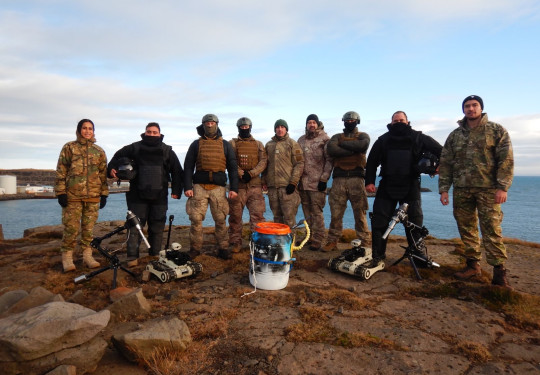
(521, 212)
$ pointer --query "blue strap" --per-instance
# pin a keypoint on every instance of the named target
(275, 262)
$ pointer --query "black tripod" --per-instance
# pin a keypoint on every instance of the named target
(416, 244)
(114, 263)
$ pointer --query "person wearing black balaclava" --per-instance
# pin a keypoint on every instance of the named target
(210, 160)
(348, 153)
(156, 164)
(397, 152)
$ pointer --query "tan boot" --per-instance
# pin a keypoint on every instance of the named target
(471, 270)
(330, 246)
(499, 277)
(67, 261)
(88, 259)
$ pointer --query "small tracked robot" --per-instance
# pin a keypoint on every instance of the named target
(356, 261)
(173, 264)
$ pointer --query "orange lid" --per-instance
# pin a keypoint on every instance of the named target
(268, 227)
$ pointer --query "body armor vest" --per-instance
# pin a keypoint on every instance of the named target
(397, 165)
(211, 156)
(348, 163)
(151, 177)
(247, 153)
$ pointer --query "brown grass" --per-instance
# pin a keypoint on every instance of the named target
(475, 352)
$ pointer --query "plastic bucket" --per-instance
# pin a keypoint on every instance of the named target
(270, 260)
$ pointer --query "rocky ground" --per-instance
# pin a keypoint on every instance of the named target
(323, 322)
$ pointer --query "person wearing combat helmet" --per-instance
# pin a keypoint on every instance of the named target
(156, 165)
(397, 152)
(81, 188)
(317, 170)
(285, 167)
(348, 153)
(478, 160)
(205, 183)
(251, 158)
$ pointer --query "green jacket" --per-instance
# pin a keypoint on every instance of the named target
(285, 162)
(477, 158)
(81, 172)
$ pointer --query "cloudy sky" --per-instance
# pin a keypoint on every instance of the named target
(124, 63)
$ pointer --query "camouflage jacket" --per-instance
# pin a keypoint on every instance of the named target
(480, 157)
(317, 163)
(256, 171)
(81, 172)
(285, 162)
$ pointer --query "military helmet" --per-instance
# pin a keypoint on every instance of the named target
(243, 121)
(351, 115)
(126, 169)
(210, 117)
(428, 163)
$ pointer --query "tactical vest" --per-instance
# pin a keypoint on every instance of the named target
(348, 163)
(211, 155)
(247, 153)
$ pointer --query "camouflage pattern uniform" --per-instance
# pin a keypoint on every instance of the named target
(348, 184)
(478, 162)
(317, 168)
(285, 166)
(249, 194)
(81, 173)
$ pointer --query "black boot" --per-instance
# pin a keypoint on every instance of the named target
(499, 277)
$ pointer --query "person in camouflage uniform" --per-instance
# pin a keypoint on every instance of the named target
(81, 188)
(348, 152)
(251, 158)
(478, 160)
(317, 170)
(205, 183)
(285, 167)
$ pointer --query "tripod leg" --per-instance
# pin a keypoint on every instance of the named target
(92, 274)
(414, 267)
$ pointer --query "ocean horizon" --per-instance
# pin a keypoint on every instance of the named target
(519, 211)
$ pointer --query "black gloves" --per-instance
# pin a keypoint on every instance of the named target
(321, 186)
(62, 200)
(246, 177)
(290, 189)
(102, 201)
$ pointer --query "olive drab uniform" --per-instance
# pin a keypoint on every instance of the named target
(81, 173)
(477, 162)
(317, 169)
(206, 161)
(285, 167)
(251, 158)
(348, 152)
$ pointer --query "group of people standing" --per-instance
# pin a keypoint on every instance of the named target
(477, 160)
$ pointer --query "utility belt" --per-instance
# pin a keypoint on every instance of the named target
(357, 172)
(209, 177)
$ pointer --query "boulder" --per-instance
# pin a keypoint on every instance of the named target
(37, 297)
(132, 305)
(84, 358)
(164, 333)
(8, 299)
(48, 329)
(63, 370)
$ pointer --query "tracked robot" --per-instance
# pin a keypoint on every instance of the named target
(172, 263)
(356, 261)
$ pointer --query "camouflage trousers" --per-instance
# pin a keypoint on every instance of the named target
(251, 197)
(477, 205)
(351, 189)
(196, 208)
(313, 203)
(284, 206)
(78, 217)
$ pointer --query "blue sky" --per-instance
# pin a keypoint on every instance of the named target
(126, 63)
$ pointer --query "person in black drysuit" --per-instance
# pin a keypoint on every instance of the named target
(397, 152)
(156, 164)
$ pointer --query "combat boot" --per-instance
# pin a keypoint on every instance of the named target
(499, 277)
(67, 261)
(471, 270)
(132, 263)
(236, 247)
(330, 246)
(224, 254)
(88, 259)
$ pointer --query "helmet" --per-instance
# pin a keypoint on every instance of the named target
(243, 121)
(126, 169)
(210, 117)
(428, 163)
(351, 115)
